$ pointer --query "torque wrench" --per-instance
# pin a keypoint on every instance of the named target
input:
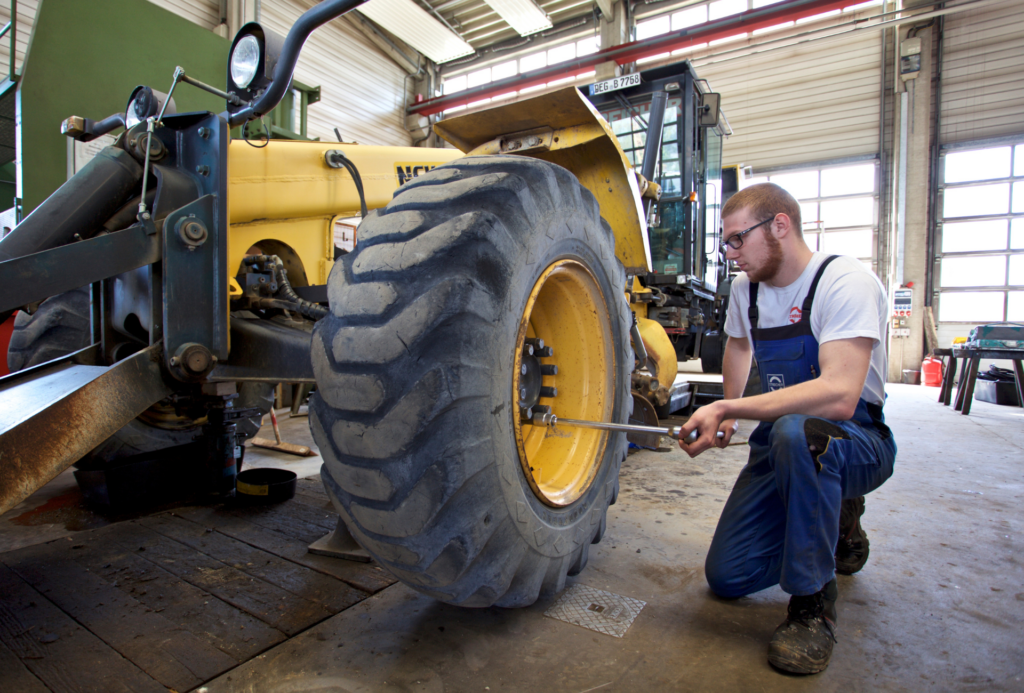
(672, 431)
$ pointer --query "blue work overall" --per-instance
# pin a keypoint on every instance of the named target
(781, 522)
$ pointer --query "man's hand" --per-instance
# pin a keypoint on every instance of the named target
(708, 422)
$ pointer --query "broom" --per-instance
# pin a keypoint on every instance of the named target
(290, 448)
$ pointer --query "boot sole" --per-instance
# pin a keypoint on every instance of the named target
(794, 664)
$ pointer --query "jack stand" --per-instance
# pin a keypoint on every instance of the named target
(340, 544)
(220, 437)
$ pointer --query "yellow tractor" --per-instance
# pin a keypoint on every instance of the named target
(488, 287)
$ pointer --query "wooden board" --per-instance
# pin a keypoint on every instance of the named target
(172, 600)
(59, 652)
(230, 630)
(166, 651)
(367, 577)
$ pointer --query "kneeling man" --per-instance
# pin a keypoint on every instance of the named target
(816, 326)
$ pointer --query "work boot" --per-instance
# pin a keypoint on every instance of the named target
(803, 643)
(852, 549)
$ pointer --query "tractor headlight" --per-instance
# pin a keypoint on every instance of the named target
(145, 102)
(245, 60)
(251, 63)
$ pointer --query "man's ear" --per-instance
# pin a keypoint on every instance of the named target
(783, 225)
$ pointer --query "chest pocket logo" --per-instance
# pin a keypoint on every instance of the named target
(775, 382)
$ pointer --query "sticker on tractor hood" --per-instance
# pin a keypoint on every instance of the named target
(408, 171)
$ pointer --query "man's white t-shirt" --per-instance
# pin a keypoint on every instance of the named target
(849, 302)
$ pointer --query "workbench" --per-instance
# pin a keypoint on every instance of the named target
(969, 360)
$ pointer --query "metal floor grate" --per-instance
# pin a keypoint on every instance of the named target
(596, 609)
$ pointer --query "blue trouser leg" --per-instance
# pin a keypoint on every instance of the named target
(781, 522)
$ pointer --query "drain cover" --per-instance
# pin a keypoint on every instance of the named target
(596, 609)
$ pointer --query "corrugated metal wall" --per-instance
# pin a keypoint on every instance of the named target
(814, 102)
(983, 73)
(362, 89)
(26, 17)
(205, 13)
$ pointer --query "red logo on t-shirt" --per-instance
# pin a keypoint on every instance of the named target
(794, 315)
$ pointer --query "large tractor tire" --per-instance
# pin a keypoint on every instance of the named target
(60, 326)
(420, 369)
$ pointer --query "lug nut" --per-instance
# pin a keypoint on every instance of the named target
(522, 369)
(548, 392)
(549, 370)
(522, 393)
(545, 352)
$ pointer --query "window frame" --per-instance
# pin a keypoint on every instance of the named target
(1016, 146)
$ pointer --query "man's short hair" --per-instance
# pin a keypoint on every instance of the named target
(764, 201)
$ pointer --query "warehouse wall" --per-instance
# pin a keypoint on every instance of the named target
(73, 71)
(362, 91)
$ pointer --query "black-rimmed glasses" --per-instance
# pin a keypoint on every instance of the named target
(735, 241)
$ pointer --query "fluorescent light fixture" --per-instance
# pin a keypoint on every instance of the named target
(411, 23)
(523, 15)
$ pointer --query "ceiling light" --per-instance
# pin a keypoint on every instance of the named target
(409, 22)
(523, 15)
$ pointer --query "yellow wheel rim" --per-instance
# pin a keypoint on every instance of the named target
(567, 310)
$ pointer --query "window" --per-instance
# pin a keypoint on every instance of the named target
(526, 63)
(980, 247)
(653, 27)
(838, 207)
(724, 8)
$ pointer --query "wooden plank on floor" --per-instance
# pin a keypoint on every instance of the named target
(311, 492)
(368, 577)
(269, 603)
(299, 580)
(161, 648)
(303, 522)
(230, 630)
(66, 657)
(15, 677)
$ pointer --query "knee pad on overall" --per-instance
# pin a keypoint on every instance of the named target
(819, 433)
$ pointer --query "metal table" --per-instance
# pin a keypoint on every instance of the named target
(970, 358)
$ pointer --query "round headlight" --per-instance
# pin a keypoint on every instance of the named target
(245, 59)
(132, 117)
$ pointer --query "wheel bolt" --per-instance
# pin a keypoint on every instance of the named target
(522, 393)
(549, 370)
(522, 369)
(548, 392)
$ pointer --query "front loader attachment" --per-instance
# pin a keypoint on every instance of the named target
(53, 414)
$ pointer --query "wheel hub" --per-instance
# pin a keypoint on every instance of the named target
(565, 315)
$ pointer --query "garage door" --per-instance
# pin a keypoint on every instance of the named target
(811, 103)
(982, 79)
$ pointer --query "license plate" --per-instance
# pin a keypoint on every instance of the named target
(632, 80)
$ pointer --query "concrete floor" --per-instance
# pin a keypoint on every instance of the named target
(940, 605)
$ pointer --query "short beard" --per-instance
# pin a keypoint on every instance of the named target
(772, 262)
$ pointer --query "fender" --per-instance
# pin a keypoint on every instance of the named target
(564, 128)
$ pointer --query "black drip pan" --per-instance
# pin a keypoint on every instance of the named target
(265, 485)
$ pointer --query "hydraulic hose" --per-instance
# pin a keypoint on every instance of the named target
(291, 300)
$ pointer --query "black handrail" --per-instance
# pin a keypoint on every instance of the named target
(300, 31)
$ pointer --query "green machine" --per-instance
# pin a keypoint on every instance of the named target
(690, 280)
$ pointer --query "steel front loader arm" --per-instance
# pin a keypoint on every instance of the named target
(53, 414)
(50, 272)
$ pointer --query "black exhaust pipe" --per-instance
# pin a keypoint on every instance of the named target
(80, 206)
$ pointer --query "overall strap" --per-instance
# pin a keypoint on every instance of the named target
(808, 301)
(806, 313)
(752, 309)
